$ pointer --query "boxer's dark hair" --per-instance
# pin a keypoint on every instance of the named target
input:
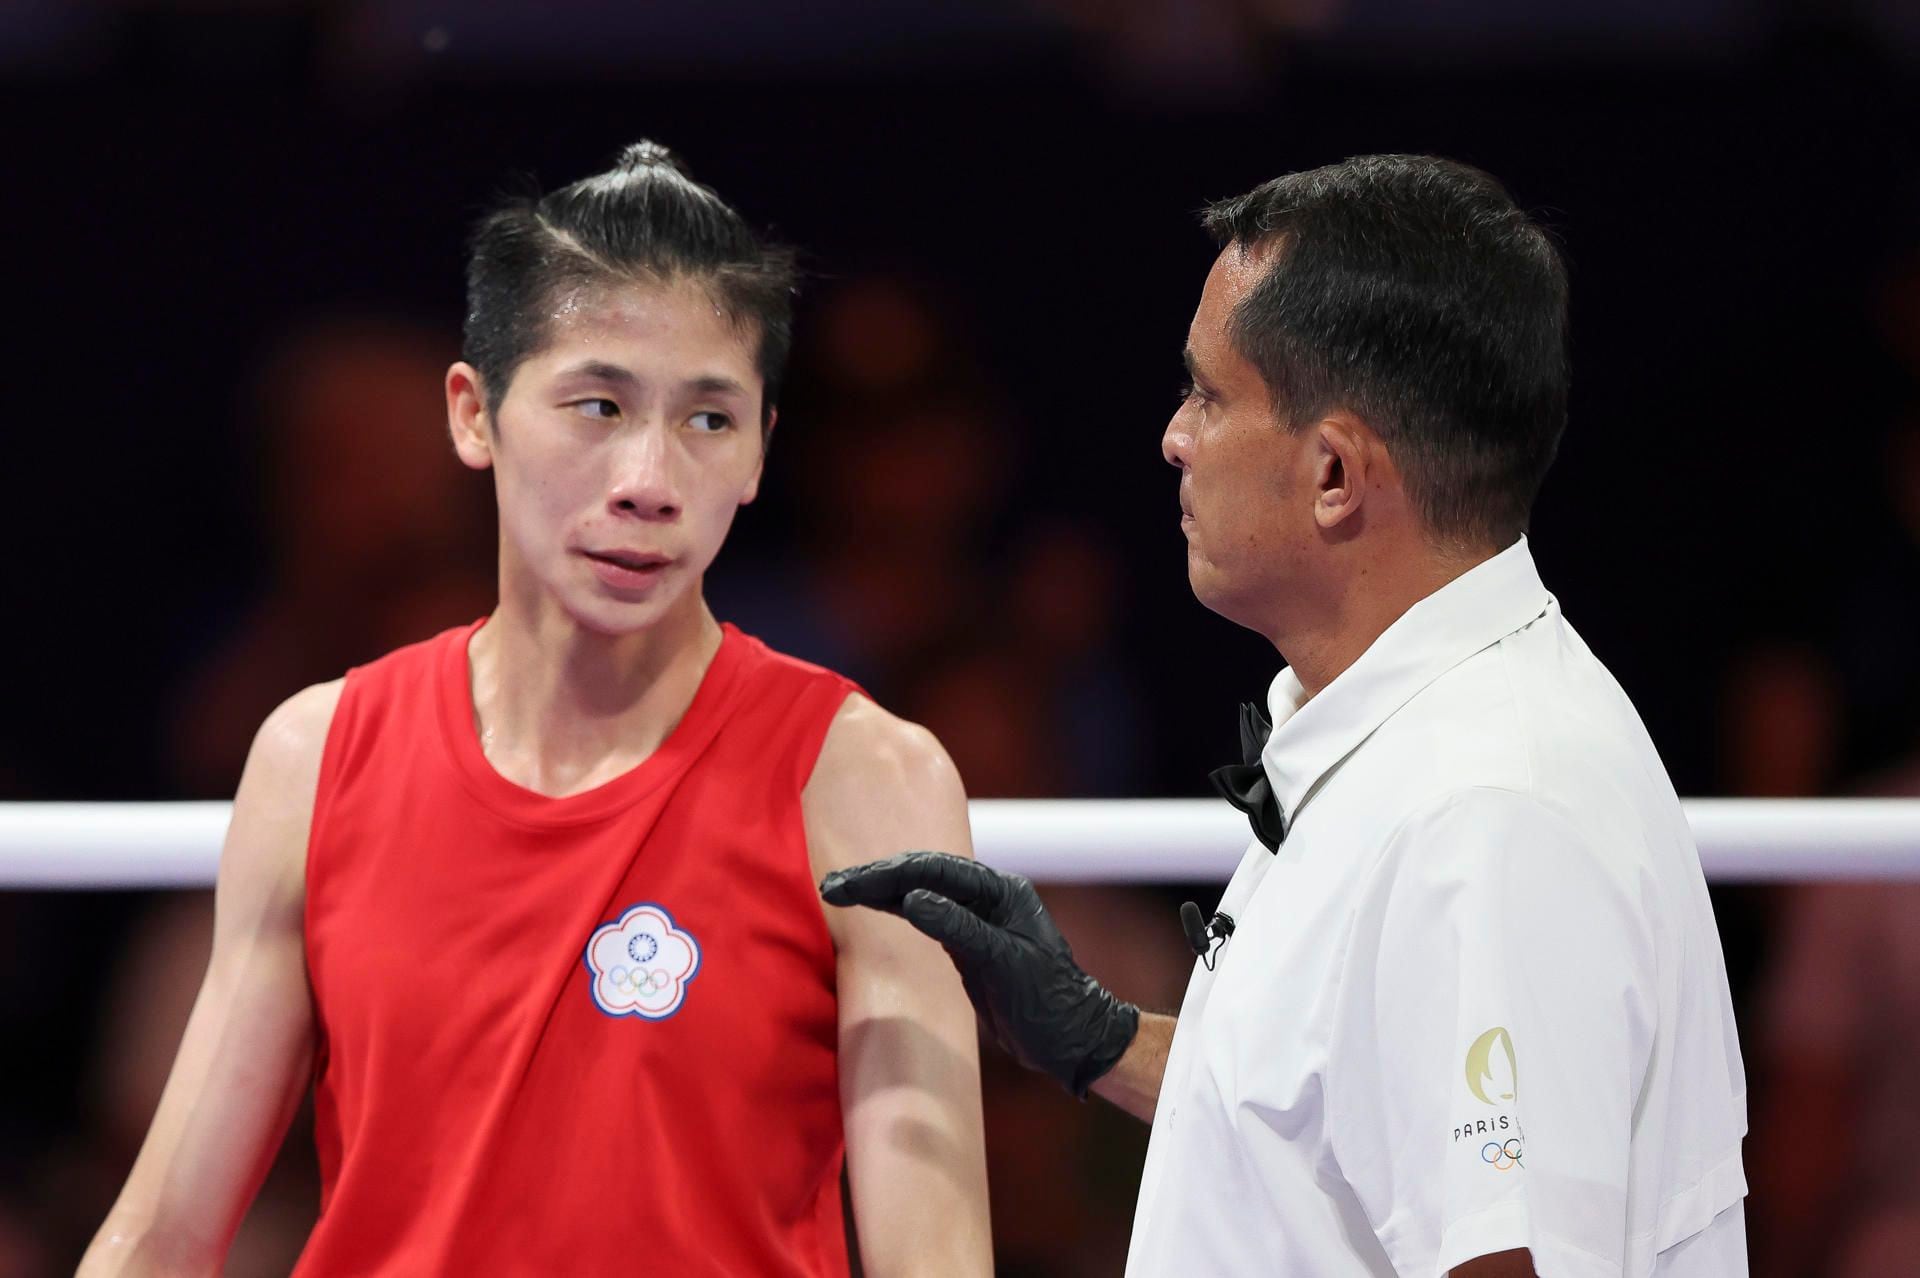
(1410, 291)
(644, 220)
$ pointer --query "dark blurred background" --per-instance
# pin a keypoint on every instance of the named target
(233, 248)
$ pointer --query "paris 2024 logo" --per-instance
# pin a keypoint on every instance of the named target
(1493, 1079)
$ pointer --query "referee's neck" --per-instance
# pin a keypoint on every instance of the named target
(1365, 595)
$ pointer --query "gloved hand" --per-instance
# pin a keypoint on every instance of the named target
(1017, 968)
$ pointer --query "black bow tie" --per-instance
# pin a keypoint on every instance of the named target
(1245, 785)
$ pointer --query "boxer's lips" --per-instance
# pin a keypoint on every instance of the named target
(627, 569)
(637, 560)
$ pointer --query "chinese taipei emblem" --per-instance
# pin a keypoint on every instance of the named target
(641, 964)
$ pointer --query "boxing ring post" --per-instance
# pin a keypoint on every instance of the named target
(177, 845)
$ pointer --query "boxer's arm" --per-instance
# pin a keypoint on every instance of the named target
(248, 1049)
(909, 1059)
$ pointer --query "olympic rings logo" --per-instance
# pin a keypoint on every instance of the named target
(1504, 1156)
(639, 980)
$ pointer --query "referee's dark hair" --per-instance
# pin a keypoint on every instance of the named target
(645, 220)
(1410, 291)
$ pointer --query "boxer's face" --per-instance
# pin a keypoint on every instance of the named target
(1245, 496)
(621, 452)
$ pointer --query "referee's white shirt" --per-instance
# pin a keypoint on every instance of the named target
(1476, 1001)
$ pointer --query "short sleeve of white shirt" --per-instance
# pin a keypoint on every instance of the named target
(1492, 1028)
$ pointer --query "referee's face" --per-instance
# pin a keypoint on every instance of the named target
(1245, 511)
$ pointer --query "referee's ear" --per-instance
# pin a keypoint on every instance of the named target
(1348, 461)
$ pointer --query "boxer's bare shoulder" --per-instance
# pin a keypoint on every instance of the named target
(876, 774)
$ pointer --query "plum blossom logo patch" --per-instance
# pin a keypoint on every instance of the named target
(641, 964)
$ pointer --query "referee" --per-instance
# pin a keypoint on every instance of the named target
(1462, 1008)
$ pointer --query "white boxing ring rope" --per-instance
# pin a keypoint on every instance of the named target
(177, 845)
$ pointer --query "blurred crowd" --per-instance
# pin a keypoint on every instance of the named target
(1833, 1021)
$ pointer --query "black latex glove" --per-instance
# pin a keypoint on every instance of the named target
(1018, 969)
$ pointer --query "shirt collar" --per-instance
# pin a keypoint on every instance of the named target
(1474, 611)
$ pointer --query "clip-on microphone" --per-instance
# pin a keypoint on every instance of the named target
(1203, 935)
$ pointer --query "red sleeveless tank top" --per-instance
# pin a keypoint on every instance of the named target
(579, 1036)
